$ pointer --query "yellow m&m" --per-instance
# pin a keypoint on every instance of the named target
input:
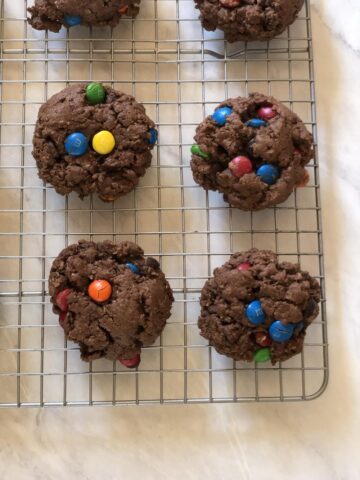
(103, 142)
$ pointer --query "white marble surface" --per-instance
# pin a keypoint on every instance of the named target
(319, 439)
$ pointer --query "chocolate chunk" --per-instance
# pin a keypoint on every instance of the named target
(248, 19)
(152, 263)
(225, 297)
(136, 312)
(311, 308)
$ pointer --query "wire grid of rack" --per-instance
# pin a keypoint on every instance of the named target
(180, 73)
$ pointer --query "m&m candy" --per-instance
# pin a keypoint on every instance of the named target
(220, 115)
(72, 20)
(196, 150)
(280, 332)
(255, 313)
(230, 3)
(133, 268)
(262, 355)
(244, 266)
(95, 93)
(76, 144)
(123, 10)
(304, 181)
(131, 363)
(239, 166)
(100, 290)
(266, 113)
(61, 299)
(153, 136)
(108, 198)
(268, 173)
(103, 142)
(263, 339)
(256, 123)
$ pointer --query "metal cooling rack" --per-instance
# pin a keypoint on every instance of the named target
(180, 73)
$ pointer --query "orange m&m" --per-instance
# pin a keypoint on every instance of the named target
(100, 290)
(123, 10)
(304, 181)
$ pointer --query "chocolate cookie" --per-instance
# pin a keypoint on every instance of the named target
(253, 150)
(93, 139)
(248, 19)
(255, 308)
(111, 301)
(53, 14)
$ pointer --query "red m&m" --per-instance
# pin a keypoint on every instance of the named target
(244, 266)
(239, 166)
(132, 362)
(266, 112)
(61, 299)
(263, 339)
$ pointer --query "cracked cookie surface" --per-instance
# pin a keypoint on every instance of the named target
(52, 14)
(288, 297)
(111, 175)
(133, 316)
(282, 143)
(248, 20)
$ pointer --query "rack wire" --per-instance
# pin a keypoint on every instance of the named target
(179, 72)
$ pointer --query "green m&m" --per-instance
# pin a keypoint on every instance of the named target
(196, 150)
(262, 355)
(95, 93)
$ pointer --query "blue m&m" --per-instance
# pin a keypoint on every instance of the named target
(255, 313)
(72, 20)
(268, 173)
(220, 115)
(153, 136)
(256, 123)
(280, 332)
(133, 268)
(76, 144)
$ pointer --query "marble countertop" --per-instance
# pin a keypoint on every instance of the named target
(318, 439)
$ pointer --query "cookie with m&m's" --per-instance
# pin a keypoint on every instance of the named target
(248, 20)
(93, 139)
(111, 300)
(53, 14)
(253, 150)
(257, 308)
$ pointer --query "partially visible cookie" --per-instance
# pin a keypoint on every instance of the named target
(53, 14)
(253, 150)
(256, 308)
(110, 299)
(248, 20)
(92, 138)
